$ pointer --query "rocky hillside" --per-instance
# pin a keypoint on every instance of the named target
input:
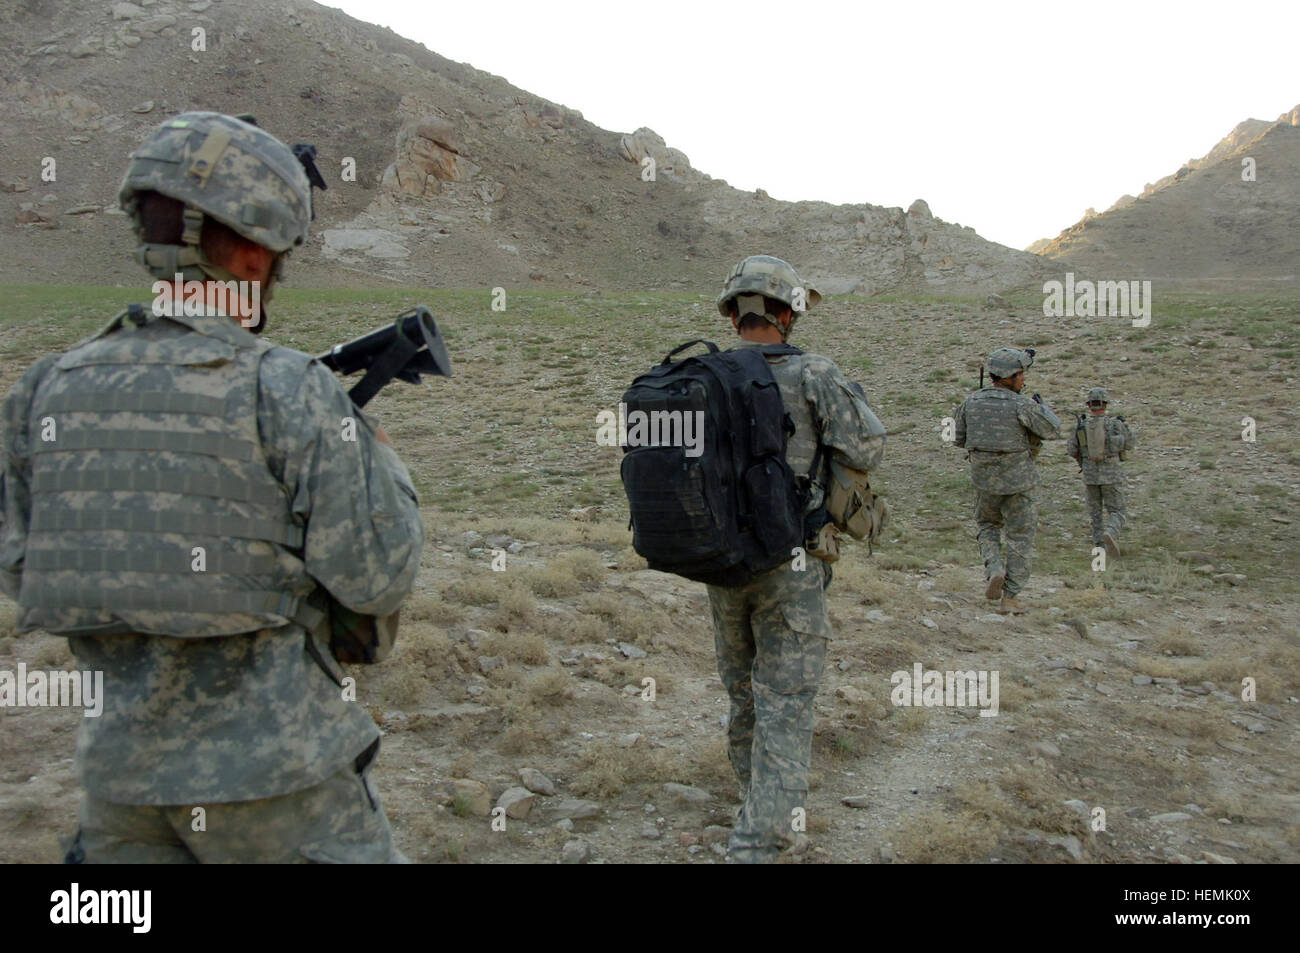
(1232, 215)
(460, 178)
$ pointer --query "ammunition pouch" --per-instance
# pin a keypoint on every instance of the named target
(354, 639)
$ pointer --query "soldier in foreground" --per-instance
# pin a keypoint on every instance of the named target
(1003, 432)
(174, 490)
(771, 634)
(1098, 443)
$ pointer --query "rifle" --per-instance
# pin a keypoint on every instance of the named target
(981, 377)
(407, 349)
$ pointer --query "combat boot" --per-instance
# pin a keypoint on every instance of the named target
(1010, 605)
(1111, 544)
(994, 588)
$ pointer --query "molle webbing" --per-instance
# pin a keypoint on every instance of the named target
(254, 601)
(148, 402)
(133, 481)
(204, 444)
(193, 524)
(154, 560)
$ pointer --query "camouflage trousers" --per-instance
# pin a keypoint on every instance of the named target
(771, 637)
(1018, 516)
(339, 821)
(1106, 509)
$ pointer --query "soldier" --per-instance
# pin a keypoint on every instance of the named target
(1098, 443)
(771, 634)
(174, 488)
(1003, 431)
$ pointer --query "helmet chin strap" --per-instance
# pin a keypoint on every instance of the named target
(187, 260)
(755, 305)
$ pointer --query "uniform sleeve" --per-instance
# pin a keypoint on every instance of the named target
(16, 476)
(1039, 419)
(364, 534)
(959, 416)
(845, 419)
(1122, 436)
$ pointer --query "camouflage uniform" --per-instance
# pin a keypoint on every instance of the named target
(1103, 480)
(1002, 431)
(771, 634)
(158, 439)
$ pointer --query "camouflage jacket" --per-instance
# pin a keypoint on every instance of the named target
(1003, 431)
(253, 715)
(827, 411)
(1119, 439)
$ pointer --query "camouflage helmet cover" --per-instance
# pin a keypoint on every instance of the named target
(765, 275)
(1098, 394)
(228, 169)
(1006, 361)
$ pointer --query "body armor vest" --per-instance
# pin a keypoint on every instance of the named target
(153, 507)
(1094, 432)
(801, 447)
(992, 424)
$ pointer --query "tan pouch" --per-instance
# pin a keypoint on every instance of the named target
(826, 546)
(851, 505)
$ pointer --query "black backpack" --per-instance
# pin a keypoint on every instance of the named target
(730, 508)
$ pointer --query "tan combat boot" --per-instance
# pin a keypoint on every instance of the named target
(1010, 605)
(1112, 546)
(994, 589)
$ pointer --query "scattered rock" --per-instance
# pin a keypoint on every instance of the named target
(1069, 844)
(515, 548)
(14, 183)
(929, 623)
(716, 834)
(474, 794)
(688, 840)
(628, 740)
(471, 540)
(574, 809)
(563, 824)
(1141, 679)
(650, 831)
(1193, 809)
(631, 651)
(878, 616)
(517, 802)
(1217, 858)
(584, 513)
(1166, 682)
(995, 301)
(85, 208)
(1171, 817)
(487, 663)
(1046, 749)
(1079, 807)
(885, 856)
(125, 11)
(144, 107)
(684, 792)
(575, 852)
(850, 694)
(154, 24)
(1231, 578)
(27, 215)
(1194, 556)
(537, 782)
(857, 800)
(1205, 570)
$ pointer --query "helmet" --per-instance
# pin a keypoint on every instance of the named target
(1005, 361)
(224, 168)
(1098, 394)
(765, 275)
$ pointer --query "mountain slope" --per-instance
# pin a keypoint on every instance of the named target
(460, 178)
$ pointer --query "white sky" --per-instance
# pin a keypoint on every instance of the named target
(1010, 117)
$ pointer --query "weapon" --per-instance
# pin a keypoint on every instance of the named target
(1078, 429)
(305, 153)
(981, 377)
(407, 349)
